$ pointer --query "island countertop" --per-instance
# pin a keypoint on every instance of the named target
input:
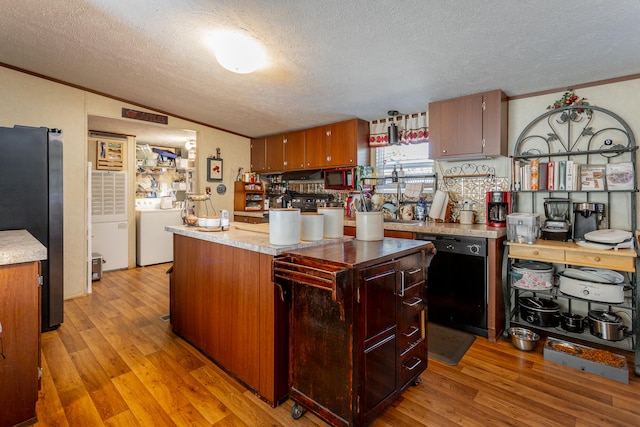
(252, 237)
(18, 246)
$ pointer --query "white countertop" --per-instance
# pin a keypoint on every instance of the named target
(252, 237)
(17, 246)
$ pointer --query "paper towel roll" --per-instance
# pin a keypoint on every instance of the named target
(333, 222)
(284, 226)
(311, 226)
(439, 206)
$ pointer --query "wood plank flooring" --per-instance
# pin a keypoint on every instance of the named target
(114, 362)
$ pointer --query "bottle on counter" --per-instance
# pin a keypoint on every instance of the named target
(421, 208)
(401, 175)
(394, 174)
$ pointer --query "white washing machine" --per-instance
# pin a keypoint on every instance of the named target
(154, 245)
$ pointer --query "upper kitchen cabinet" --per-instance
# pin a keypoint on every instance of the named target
(294, 150)
(469, 126)
(258, 155)
(337, 144)
(274, 153)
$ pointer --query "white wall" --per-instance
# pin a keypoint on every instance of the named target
(32, 101)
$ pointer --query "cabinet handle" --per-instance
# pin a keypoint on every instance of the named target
(536, 253)
(444, 151)
(412, 302)
(401, 283)
(416, 362)
(597, 259)
(412, 331)
(417, 270)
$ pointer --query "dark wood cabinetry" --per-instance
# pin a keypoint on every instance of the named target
(469, 126)
(20, 318)
(358, 332)
(334, 145)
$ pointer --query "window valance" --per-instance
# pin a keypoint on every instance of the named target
(412, 129)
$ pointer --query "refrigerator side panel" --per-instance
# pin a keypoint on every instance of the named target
(55, 309)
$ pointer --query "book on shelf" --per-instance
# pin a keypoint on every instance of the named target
(619, 176)
(533, 174)
(562, 175)
(551, 176)
(592, 177)
(543, 178)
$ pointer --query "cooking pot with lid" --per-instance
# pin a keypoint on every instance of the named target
(539, 311)
(606, 325)
(572, 322)
(593, 284)
(532, 275)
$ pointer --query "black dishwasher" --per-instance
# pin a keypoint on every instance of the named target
(457, 283)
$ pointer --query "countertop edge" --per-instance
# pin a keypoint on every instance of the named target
(19, 246)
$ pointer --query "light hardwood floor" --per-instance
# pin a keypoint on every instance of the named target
(114, 362)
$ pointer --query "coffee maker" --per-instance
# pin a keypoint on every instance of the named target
(498, 207)
(557, 225)
(587, 217)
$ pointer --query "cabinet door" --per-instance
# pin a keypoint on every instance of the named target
(315, 147)
(379, 329)
(294, 151)
(342, 143)
(258, 155)
(19, 308)
(461, 126)
(274, 153)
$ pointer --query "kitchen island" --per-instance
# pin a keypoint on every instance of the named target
(224, 302)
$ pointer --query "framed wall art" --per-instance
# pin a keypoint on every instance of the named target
(214, 169)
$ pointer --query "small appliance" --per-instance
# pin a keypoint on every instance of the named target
(523, 227)
(587, 217)
(498, 207)
(340, 179)
(557, 225)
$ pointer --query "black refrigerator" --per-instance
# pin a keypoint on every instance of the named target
(31, 194)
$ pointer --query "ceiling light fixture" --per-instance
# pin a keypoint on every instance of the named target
(238, 52)
(190, 144)
(392, 130)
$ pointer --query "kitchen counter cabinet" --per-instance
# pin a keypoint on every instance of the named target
(224, 302)
(469, 126)
(20, 256)
(365, 302)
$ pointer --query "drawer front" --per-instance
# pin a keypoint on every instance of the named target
(537, 253)
(412, 268)
(600, 260)
(413, 363)
(412, 331)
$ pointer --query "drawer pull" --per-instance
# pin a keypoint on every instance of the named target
(415, 363)
(417, 270)
(410, 331)
(412, 302)
(536, 253)
(597, 259)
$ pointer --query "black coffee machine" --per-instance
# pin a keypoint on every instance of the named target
(587, 217)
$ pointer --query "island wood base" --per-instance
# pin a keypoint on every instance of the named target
(224, 302)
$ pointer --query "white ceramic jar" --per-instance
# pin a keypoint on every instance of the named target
(284, 226)
(369, 226)
(333, 222)
(311, 226)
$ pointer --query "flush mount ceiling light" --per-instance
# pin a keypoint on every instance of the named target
(238, 52)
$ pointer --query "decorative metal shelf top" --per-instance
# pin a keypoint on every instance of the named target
(570, 131)
(470, 170)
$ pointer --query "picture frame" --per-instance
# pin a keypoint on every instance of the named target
(214, 169)
(620, 176)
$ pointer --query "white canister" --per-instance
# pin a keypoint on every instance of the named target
(333, 222)
(311, 226)
(284, 226)
(369, 226)
(466, 217)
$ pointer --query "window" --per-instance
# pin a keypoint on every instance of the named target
(415, 162)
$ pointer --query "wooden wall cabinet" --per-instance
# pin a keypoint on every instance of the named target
(335, 145)
(469, 126)
(338, 145)
(20, 318)
(248, 196)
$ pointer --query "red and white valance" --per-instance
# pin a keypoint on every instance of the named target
(412, 129)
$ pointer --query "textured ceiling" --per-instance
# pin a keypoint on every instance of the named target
(328, 60)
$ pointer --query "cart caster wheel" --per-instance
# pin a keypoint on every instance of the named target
(296, 411)
(417, 382)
